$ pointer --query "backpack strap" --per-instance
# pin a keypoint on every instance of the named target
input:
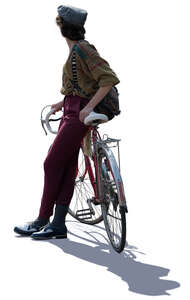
(75, 80)
(81, 53)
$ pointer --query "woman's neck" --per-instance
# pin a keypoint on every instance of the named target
(70, 43)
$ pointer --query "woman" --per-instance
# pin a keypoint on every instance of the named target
(94, 79)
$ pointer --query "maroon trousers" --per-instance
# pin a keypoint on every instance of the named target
(61, 161)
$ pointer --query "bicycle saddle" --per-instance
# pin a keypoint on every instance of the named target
(93, 116)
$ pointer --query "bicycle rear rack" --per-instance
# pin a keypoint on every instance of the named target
(111, 140)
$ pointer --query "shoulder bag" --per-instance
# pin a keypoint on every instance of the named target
(109, 105)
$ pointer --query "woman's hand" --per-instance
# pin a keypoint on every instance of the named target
(58, 106)
(84, 113)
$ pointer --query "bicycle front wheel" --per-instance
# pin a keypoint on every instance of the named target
(112, 210)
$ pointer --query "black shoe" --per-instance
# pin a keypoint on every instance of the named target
(49, 232)
(31, 227)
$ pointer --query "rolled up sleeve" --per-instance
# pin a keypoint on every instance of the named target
(100, 69)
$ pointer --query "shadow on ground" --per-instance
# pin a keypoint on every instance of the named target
(141, 278)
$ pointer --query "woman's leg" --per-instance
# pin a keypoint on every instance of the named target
(68, 181)
(60, 163)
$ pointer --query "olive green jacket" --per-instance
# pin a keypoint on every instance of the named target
(92, 71)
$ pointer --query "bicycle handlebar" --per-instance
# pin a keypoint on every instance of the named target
(92, 119)
(47, 120)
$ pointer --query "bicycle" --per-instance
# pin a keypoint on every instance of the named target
(99, 177)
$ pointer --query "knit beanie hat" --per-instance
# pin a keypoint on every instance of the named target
(72, 15)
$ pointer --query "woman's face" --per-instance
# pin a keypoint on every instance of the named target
(59, 21)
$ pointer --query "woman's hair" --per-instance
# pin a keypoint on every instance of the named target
(70, 31)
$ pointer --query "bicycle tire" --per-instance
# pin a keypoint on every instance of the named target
(78, 202)
(112, 210)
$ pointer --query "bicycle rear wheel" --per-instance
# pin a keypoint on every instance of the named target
(82, 207)
(113, 213)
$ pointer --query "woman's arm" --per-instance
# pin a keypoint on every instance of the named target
(101, 92)
(101, 72)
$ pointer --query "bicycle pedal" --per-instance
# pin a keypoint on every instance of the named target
(84, 214)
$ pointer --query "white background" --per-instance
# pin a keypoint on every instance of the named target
(147, 45)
